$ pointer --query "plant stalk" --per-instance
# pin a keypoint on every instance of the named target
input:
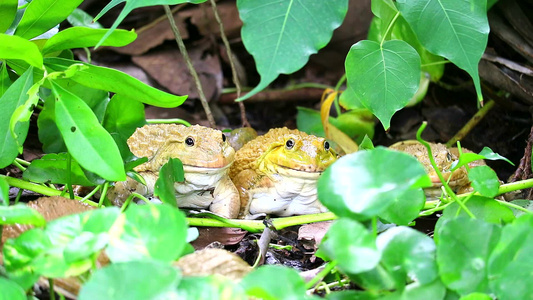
(185, 54)
(480, 114)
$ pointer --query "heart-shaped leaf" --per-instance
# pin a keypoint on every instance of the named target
(122, 281)
(455, 29)
(383, 77)
(282, 42)
(361, 185)
(52, 168)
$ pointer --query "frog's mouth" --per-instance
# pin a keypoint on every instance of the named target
(206, 170)
(296, 173)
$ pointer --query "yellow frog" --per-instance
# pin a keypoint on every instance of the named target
(277, 173)
(206, 156)
(444, 158)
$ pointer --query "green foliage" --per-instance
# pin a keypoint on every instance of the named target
(125, 281)
(10, 290)
(20, 214)
(282, 42)
(383, 176)
(53, 168)
(390, 78)
(170, 173)
(274, 282)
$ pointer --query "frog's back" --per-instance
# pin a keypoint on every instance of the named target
(246, 157)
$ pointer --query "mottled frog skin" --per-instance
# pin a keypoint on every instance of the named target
(444, 158)
(206, 156)
(277, 173)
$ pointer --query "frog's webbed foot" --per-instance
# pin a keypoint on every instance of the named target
(226, 200)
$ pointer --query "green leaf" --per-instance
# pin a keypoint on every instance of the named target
(404, 208)
(510, 263)
(19, 254)
(80, 37)
(210, 287)
(352, 245)
(455, 29)
(408, 255)
(131, 5)
(463, 249)
(274, 282)
(8, 10)
(48, 132)
(52, 168)
(42, 15)
(106, 79)
(10, 290)
(87, 141)
(527, 204)
(14, 47)
(385, 13)
(124, 116)
(75, 240)
(13, 98)
(486, 153)
(366, 144)
(20, 214)
(476, 296)
(148, 231)
(416, 291)
(486, 209)
(383, 77)
(123, 281)
(355, 123)
(382, 176)
(281, 35)
(4, 191)
(170, 172)
(5, 81)
(80, 18)
(484, 180)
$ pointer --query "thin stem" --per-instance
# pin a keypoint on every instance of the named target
(104, 193)
(480, 114)
(389, 28)
(69, 176)
(22, 162)
(439, 173)
(86, 198)
(18, 165)
(185, 54)
(442, 62)
(51, 287)
(168, 121)
(337, 87)
(518, 207)
(329, 266)
(235, 78)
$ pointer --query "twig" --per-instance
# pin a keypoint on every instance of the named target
(480, 114)
(235, 78)
(187, 59)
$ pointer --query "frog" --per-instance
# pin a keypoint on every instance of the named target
(444, 158)
(206, 156)
(277, 173)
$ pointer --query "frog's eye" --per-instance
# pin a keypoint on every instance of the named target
(289, 144)
(449, 156)
(189, 141)
(223, 137)
(326, 145)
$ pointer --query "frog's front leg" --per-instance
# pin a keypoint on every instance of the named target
(118, 193)
(226, 200)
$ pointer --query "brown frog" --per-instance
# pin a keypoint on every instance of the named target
(206, 156)
(444, 158)
(277, 173)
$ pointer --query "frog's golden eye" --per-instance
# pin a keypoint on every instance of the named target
(223, 137)
(449, 156)
(326, 145)
(289, 144)
(189, 141)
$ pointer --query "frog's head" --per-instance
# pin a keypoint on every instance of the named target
(195, 146)
(299, 152)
